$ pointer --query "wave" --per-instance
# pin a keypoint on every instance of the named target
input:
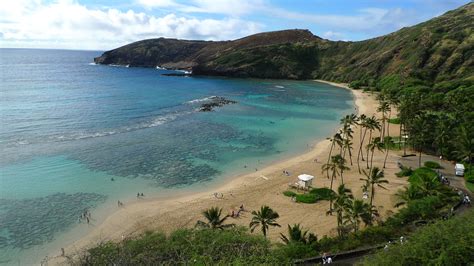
(92, 64)
(115, 65)
(279, 86)
(188, 72)
(205, 99)
(154, 122)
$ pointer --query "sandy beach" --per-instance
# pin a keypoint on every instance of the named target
(263, 187)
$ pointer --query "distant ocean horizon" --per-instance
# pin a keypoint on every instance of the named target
(76, 136)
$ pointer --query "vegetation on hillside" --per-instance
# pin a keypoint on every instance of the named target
(448, 242)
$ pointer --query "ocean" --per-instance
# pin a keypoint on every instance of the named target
(76, 136)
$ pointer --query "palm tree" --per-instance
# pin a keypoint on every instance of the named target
(332, 166)
(357, 211)
(347, 144)
(388, 143)
(264, 217)
(214, 220)
(341, 201)
(341, 165)
(363, 127)
(465, 145)
(384, 108)
(336, 139)
(372, 124)
(374, 144)
(296, 234)
(374, 178)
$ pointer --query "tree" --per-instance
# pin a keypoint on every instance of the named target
(384, 108)
(464, 144)
(296, 234)
(336, 139)
(347, 145)
(372, 124)
(341, 202)
(363, 127)
(374, 178)
(341, 165)
(357, 211)
(387, 143)
(214, 220)
(265, 217)
(332, 166)
(374, 144)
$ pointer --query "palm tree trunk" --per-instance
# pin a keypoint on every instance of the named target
(332, 181)
(329, 157)
(372, 193)
(419, 159)
(400, 140)
(360, 150)
(371, 160)
(386, 155)
(388, 122)
(350, 154)
(370, 140)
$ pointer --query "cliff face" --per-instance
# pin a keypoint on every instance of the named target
(441, 48)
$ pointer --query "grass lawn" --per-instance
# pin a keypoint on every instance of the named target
(470, 186)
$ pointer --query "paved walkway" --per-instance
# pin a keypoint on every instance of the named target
(447, 171)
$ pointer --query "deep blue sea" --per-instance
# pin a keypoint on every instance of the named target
(69, 127)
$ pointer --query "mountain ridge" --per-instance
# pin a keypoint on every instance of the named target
(436, 50)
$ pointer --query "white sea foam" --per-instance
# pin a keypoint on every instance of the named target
(157, 121)
(184, 71)
(92, 64)
(115, 65)
(205, 99)
(279, 86)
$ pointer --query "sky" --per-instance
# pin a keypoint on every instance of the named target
(107, 24)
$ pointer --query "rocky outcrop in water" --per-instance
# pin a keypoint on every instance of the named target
(214, 102)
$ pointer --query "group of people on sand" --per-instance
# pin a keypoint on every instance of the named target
(140, 195)
(119, 203)
(286, 173)
(218, 195)
(235, 214)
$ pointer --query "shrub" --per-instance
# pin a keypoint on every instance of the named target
(447, 242)
(423, 174)
(289, 193)
(405, 171)
(307, 198)
(432, 165)
(394, 120)
(420, 209)
(323, 193)
(233, 246)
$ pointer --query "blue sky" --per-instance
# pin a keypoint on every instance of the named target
(106, 24)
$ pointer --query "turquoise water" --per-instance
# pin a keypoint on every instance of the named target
(69, 127)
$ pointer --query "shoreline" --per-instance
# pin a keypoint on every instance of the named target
(264, 186)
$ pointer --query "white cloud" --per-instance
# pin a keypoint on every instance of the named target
(333, 35)
(68, 24)
(157, 3)
(226, 7)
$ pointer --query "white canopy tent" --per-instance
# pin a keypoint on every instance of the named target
(305, 180)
